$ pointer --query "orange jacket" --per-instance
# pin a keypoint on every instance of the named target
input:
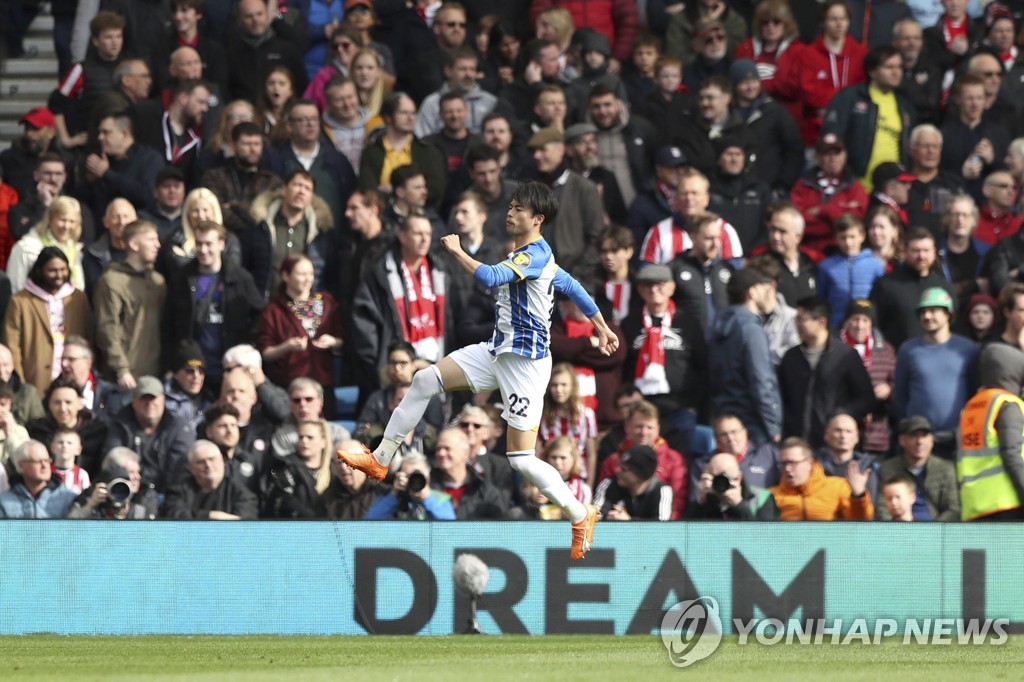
(821, 498)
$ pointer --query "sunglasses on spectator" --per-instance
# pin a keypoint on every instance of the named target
(714, 37)
(773, 20)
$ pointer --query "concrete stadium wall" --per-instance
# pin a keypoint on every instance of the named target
(367, 577)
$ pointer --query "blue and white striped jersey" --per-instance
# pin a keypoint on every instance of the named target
(523, 322)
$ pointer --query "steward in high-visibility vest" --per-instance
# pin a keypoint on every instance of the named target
(990, 459)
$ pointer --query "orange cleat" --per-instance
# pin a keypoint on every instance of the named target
(583, 534)
(364, 461)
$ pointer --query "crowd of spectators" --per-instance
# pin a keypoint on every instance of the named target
(804, 219)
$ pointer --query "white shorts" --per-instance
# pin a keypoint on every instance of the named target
(522, 381)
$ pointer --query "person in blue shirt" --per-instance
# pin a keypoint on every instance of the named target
(516, 360)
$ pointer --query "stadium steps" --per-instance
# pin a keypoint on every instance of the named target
(26, 82)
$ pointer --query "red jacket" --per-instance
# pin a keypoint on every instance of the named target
(8, 200)
(821, 217)
(277, 323)
(614, 18)
(781, 78)
(671, 470)
(991, 228)
(823, 75)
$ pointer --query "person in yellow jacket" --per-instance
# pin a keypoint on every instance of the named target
(805, 493)
(990, 459)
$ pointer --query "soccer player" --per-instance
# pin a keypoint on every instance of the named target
(517, 359)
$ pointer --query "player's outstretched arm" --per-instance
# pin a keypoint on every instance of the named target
(567, 284)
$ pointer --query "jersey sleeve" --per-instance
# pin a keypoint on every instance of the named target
(565, 284)
(529, 261)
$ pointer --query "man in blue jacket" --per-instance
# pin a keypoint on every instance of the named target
(38, 495)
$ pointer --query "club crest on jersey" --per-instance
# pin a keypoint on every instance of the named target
(521, 260)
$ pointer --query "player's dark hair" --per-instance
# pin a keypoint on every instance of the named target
(538, 198)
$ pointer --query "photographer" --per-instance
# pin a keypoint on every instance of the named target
(119, 491)
(411, 498)
(723, 494)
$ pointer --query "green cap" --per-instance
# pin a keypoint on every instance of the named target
(936, 297)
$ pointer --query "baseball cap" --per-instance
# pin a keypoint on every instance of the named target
(889, 171)
(829, 142)
(579, 130)
(148, 386)
(169, 173)
(670, 157)
(936, 297)
(39, 117)
(655, 273)
(641, 460)
(545, 136)
(741, 70)
(358, 3)
(914, 423)
(861, 306)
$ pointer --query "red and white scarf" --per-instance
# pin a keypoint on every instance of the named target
(584, 375)
(174, 152)
(419, 300)
(868, 347)
(650, 375)
(55, 316)
(619, 293)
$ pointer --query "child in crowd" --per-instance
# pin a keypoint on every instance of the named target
(899, 493)
(850, 273)
(65, 448)
(565, 414)
(671, 98)
(638, 76)
(562, 454)
(981, 319)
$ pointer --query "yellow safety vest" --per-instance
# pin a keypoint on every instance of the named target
(985, 487)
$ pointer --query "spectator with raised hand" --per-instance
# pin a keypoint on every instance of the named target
(841, 442)
(934, 492)
(412, 496)
(50, 179)
(129, 301)
(296, 481)
(272, 398)
(974, 144)
(724, 494)
(635, 491)
(807, 494)
(38, 494)
(42, 315)
(685, 25)
(122, 168)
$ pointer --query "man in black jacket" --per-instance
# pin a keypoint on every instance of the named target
(701, 276)
(820, 377)
(208, 494)
(738, 502)
(257, 48)
(737, 194)
(896, 294)
(212, 301)
(635, 493)
(160, 438)
(121, 169)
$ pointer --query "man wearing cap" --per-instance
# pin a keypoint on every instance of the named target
(827, 191)
(780, 156)
(20, 160)
(460, 71)
(873, 119)
(737, 193)
(743, 377)
(937, 498)
(891, 182)
(990, 459)
(713, 56)
(625, 141)
(581, 153)
(160, 438)
(879, 359)
(667, 354)
(573, 235)
(659, 202)
(635, 491)
(896, 295)
(169, 196)
(936, 373)
(183, 391)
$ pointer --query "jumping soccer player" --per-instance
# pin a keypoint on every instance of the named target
(517, 359)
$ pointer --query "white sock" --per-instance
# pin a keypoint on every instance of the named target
(426, 383)
(545, 477)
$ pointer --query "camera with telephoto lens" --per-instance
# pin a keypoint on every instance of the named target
(416, 483)
(119, 488)
(721, 484)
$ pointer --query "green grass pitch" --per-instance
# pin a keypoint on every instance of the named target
(424, 659)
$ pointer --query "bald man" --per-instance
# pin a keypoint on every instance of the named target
(110, 247)
(723, 494)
